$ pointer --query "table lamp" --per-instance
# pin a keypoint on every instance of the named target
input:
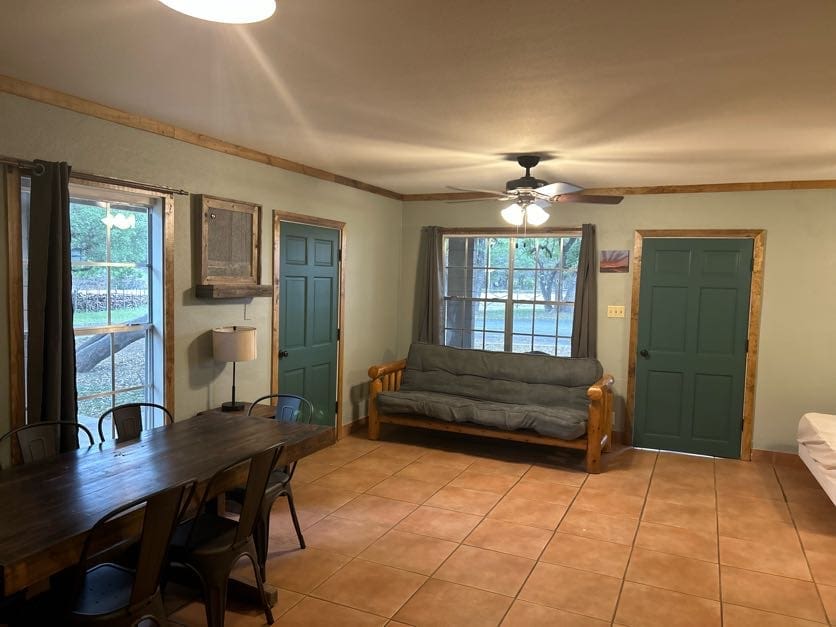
(233, 344)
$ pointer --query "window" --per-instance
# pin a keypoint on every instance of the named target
(117, 291)
(510, 293)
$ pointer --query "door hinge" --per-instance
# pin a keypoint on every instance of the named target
(339, 255)
(752, 266)
(747, 346)
(338, 335)
(742, 420)
(336, 407)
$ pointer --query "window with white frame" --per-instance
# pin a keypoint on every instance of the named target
(116, 242)
(511, 293)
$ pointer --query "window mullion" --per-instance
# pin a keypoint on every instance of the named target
(509, 304)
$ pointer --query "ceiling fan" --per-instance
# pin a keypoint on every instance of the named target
(529, 193)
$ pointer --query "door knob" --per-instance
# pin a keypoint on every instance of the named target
(643, 352)
(283, 354)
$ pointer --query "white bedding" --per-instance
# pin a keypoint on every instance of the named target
(817, 448)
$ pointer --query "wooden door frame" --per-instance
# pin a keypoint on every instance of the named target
(278, 217)
(758, 237)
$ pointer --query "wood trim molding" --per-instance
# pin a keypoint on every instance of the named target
(168, 302)
(361, 424)
(17, 401)
(56, 98)
(285, 216)
(755, 307)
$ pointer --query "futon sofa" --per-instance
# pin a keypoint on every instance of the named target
(559, 401)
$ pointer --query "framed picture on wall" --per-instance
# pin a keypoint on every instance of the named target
(615, 261)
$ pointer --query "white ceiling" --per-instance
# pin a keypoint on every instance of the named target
(414, 95)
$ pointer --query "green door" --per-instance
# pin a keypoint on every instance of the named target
(308, 315)
(691, 361)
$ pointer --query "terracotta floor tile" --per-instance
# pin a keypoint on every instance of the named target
(463, 500)
(814, 518)
(815, 497)
(311, 612)
(353, 480)
(375, 509)
(545, 491)
(447, 458)
(409, 551)
(691, 463)
(765, 509)
(757, 530)
(486, 570)
(677, 541)
(823, 567)
(760, 485)
(377, 464)
(483, 481)
(764, 558)
(303, 570)
(500, 467)
(597, 556)
(619, 482)
(771, 593)
(334, 455)
(646, 606)
(313, 502)
(395, 450)
(828, 597)
(739, 616)
(566, 476)
(370, 587)
(510, 538)
(526, 512)
(578, 591)
(439, 523)
(525, 614)
(237, 614)
(428, 472)
(581, 522)
(818, 542)
(672, 572)
(341, 535)
(663, 490)
(693, 517)
(796, 477)
(404, 489)
(606, 502)
(445, 603)
(307, 471)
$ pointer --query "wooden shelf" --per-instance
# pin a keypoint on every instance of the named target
(232, 290)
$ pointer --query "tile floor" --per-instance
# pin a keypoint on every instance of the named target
(432, 529)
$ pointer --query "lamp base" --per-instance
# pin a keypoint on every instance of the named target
(231, 406)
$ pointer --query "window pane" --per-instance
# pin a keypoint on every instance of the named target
(522, 343)
(523, 284)
(480, 247)
(568, 281)
(545, 319)
(495, 318)
(89, 294)
(476, 339)
(478, 315)
(457, 284)
(564, 347)
(564, 322)
(456, 314)
(495, 341)
(480, 283)
(128, 295)
(525, 250)
(571, 252)
(498, 252)
(89, 411)
(129, 358)
(547, 285)
(523, 318)
(544, 344)
(93, 365)
(498, 284)
(453, 337)
(129, 235)
(88, 232)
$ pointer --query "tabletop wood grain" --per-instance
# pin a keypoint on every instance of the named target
(48, 507)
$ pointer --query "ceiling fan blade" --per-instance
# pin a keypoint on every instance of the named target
(452, 202)
(477, 191)
(556, 189)
(590, 198)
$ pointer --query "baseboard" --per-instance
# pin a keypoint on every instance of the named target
(361, 424)
(777, 458)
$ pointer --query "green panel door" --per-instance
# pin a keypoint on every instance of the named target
(308, 312)
(691, 361)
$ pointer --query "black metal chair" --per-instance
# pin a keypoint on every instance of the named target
(210, 544)
(289, 408)
(112, 594)
(41, 440)
(127, 419)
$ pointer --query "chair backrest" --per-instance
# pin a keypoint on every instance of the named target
(258, 474)
(289, 407)
(162, 512)
(127, 419)
(41, 440)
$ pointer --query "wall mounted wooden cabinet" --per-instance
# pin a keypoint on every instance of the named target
(228, 248)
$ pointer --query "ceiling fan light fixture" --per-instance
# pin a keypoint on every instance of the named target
(535, 215)
(513, 214)
(225, 11)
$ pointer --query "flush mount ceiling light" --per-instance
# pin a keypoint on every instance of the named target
(530, 214)
(226, 11)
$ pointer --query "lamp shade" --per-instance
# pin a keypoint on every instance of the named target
(233, 343)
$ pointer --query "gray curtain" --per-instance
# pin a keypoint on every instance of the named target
(428, 323)
(51, 388)
(585, 322)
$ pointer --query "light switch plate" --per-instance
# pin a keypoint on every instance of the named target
(615, 311)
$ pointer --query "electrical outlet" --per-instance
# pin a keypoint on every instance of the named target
(615, 311)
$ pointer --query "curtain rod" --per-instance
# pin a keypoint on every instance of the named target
(37, 169)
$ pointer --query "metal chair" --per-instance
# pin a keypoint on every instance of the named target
(210, 544)
(127, 419)
(111, 594)
(41, 440)
(289, 408)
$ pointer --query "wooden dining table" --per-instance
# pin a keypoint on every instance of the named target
(48, 507)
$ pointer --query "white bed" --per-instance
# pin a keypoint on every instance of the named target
(817, 448)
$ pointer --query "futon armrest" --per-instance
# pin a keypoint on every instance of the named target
(598, 389)
(382, 369)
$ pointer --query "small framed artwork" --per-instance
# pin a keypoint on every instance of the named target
(615, 261)
(229, 240)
